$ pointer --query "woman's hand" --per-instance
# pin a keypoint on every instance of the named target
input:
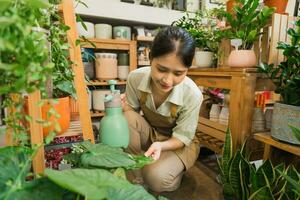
(154, 150)
(123, 101)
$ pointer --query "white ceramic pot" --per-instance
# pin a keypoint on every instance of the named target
(224, 115)
(89, 69)
(103, 31)
(214, 112)
(204, 58)
(106, 66)
(98, 99)
(123, 71)
(122, 32)
(242, 58)
(90, 99)
(89, 33)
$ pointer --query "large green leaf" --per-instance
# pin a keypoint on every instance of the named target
(234, 174)
(227, 153)
(263, 193)
(135, 192)
(100, 155)
(296, 132)
(91, 183)
(15, 166)
(38, 189)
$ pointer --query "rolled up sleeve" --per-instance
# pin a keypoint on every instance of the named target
(187, 121)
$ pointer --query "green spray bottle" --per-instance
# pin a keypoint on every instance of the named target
(114, 129)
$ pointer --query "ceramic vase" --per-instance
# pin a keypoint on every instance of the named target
(214, 112)
(123, 71)
(242, 58)
(106, 66)
(89, 33)
(280, 5)
(224, 115)
(98, 99)
(204, 58)
(103, 31)
(122, 32)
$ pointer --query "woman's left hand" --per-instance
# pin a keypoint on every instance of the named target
(154, 150)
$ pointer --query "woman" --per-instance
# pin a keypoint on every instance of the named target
(170, 103)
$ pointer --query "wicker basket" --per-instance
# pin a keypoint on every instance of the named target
(284, 115)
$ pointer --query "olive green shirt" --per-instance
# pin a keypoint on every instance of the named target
(186, 95)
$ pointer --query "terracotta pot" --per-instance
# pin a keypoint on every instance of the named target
(229, 5)
(62, 107)
(280, 5)
(242, 58)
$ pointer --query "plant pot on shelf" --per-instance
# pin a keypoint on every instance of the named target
(242, 58)
(280, 5)
(62, 107)
(283, 116)
(204, 58)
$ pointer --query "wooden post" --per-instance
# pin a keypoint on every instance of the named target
(36, 131)
(75, 56)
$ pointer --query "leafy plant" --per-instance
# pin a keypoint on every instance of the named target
(286, 76)
(296, 132)
(202, 28)
(63, 76)
(96, 183)
(24, 65)
(242, 180)
(246, 21)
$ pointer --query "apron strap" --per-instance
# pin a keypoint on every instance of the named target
(173, 110)
(173, 107)
(143, 97)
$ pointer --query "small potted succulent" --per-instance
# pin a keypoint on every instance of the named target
(206, 34)
(286, 77)
(246, 23)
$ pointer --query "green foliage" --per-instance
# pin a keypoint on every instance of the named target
(203, 29)
(246, 21)
(94, 183)
(296, 132)
(286, 76)
(243, 181)
(90, 155)
(15, 167)
(62, 77)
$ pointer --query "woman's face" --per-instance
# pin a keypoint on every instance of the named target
(166, 72)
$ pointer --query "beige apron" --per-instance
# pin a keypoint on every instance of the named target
(163, 126)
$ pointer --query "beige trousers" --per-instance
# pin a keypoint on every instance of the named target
(165, 174)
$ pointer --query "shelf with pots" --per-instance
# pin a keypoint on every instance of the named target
(107, 53)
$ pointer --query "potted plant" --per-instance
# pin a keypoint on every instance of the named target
(243, 180)
(246, 23)
(24, 56)
(206, 34)
(286, 77)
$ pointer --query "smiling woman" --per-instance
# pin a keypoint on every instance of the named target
(170, 103)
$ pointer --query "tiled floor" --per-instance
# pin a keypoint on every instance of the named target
(199, 183)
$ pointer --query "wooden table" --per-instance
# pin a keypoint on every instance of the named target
(269, 143)
(242, 83)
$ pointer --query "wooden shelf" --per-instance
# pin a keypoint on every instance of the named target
(112, 44)
(103, 83)
(97, 113)
(266, 138)
(74, 129)
(144, 39)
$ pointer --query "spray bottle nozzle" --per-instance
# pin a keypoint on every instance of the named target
(112, 84)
